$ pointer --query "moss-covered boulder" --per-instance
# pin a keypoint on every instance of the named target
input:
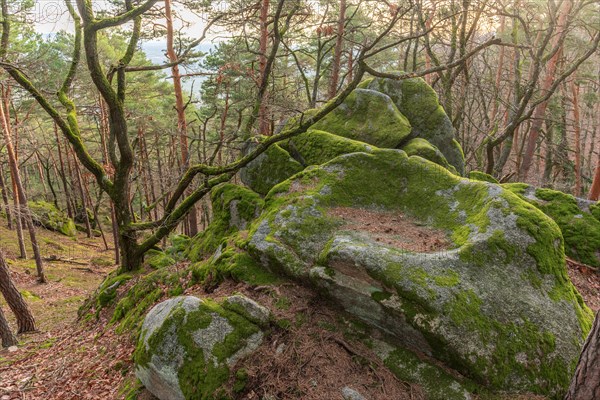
(317, 147)
(189, 346)
(488, 295)
(48, 216)
(368, 116)
(580, 228)
(233, 208)
(422, 148)
(418, 102)
(270, 168)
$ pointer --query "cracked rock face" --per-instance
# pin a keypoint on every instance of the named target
(494, 304)
(188, 345)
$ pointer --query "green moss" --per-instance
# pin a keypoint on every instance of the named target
(29, 296)
(422, 148)
(108, 289)
(510, 341)
(241, 380)
(158, 259)
(233, 208)
(233, 263)
(179, 246)
(270, 168)
(482, 176)
(437, 384)
(198, 378)
(317, 147)
(595, 210)
(367, 116)
(380, 295)
(48, 216)
(419, 103)
(580, 230)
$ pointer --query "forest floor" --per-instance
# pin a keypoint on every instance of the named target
(67, 359)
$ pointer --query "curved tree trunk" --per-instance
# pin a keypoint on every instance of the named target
(6, 336)
(25, 320)
(585, 385)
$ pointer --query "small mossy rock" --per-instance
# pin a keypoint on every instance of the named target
(188, 346)
(497, 306)
(233, 208)
(422, 148)
(48, 216)
(316, 147)
(419, 103)
(580, 228)
(368, 116)
(158, 259)
(482, 176)
(268, 169)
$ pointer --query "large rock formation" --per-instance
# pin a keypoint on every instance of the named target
(487, 293)
(463, 280)
(383, 113)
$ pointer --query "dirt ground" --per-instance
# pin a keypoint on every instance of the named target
(312, 353)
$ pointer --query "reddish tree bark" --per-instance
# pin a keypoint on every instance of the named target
(25, 320)
(577, 130)
(585, 384)
(263, 120)
(180, 107)
(540, 111)
(337, 56)
(595, 189)
(19, 194)
(6, 336)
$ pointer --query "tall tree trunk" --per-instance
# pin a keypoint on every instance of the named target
(180, 108)
(84, 202)
(6, 336)
(25, 320)
(20, 193)
(339, 47)
(5, 205)
(585, 384)
(595, 189)
(263, 119)
(63, 175)
(577, 130)
(540, 111)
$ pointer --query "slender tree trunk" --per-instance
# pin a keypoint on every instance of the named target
(63, 175)
(540, 111)
(595, 189)
(577, 130)
(180, 108)
(339, 47)
(80, 184)
(5, 205)
(6, 335)
(25, 320)
(20, 193)
(18, 218)
(263, 120)
(585, 384)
